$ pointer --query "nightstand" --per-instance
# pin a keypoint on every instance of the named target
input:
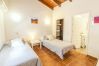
(36, 42)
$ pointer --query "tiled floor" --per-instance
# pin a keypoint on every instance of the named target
(71, 58)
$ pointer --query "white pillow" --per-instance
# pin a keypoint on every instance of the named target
(42, 38)
(50, 37)
(17, 42)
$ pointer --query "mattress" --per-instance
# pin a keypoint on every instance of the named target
(18, 56)
(58, 46)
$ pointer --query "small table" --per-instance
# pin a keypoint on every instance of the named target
(36, 42)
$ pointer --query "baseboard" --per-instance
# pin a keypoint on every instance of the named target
(92, 57)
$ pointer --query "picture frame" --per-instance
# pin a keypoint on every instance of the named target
(96, 19)
(34, 21)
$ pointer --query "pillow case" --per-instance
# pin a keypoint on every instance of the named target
(17, 43)
(50, 37)
(43, 38)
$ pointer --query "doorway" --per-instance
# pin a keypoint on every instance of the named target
(80, 29)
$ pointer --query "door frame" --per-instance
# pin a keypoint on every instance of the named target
(88, 28)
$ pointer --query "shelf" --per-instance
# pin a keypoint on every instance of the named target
(59, 29)
(59, 24)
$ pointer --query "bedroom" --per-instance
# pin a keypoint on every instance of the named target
(26, 10)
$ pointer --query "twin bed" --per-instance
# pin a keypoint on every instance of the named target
(58, 46)
(18, 54)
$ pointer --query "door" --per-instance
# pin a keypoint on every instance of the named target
(80, 30)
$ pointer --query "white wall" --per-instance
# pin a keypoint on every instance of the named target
(2, 26)
(28, 9)
(6, 2)
(68, 10)
(2, 31)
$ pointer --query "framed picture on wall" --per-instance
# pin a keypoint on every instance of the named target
(34, 21)
(96, 19)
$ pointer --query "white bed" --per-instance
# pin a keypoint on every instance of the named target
(19, 55)
(58, 46)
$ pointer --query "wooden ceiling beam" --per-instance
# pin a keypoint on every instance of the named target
(53, 3)
(58, 2)
(46, 4)
(68, 0)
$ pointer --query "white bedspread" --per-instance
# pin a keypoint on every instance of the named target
(18, 56)
(58, 46)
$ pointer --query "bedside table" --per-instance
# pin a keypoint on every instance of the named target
(36, 42)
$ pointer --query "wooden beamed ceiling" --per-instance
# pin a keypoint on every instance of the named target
(59, 1)
(49, 3)
(53, 3)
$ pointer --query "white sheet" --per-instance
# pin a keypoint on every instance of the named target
(58, 46)
(22, 56)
